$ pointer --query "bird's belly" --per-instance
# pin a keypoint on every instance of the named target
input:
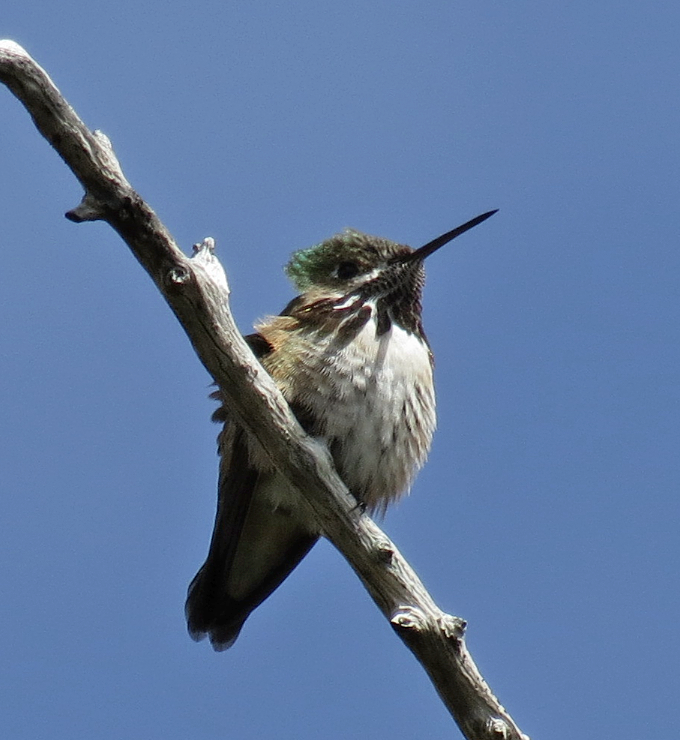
(374, 405)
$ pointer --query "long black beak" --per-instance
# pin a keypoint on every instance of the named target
(440, 241)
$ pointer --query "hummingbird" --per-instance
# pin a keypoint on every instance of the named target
(351, 358)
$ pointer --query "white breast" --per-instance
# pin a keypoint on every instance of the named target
(376, 401)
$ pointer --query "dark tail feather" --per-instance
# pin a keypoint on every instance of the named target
(255, 545)
(212, 609)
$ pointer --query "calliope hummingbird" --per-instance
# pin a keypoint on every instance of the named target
(351, 358)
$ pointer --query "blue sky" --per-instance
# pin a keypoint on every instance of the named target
(548, 513)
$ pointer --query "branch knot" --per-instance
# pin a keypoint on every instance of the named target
(452, 627)
(178, 276)
(384, 551)
(409, 619)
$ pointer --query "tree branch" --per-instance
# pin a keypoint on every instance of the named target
(196, 290)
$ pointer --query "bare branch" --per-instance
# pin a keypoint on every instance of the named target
(196, 290)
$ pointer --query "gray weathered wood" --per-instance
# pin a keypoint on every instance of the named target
(196, 290)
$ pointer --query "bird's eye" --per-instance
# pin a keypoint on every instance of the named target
(347, 270)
